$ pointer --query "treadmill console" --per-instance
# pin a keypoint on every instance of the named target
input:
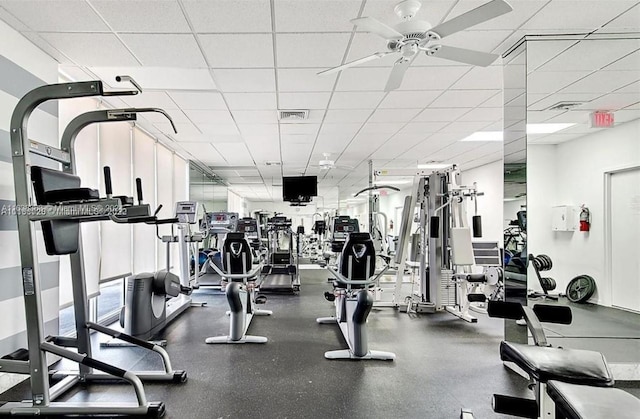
(248, 226)
(186, 211)
(222, 222)
(279, 223)
(342, 227)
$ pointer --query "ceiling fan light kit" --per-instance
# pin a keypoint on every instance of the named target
(410, 37)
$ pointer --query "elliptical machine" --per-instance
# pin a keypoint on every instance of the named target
(240, 291)
(352, 298)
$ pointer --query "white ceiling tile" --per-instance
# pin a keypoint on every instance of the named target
(202, 151)
(466, 126)
(154, 117)
(310, 129)
(581, 55)
(431, 78)
(163, 50)
(229, 15)
(542, 102)
(522, 11)
(347, 115)
(485, 41)
(409, 99)
(381, 127)
(482, 114)
(363, 79)
(209, 116)
(495, 101)
(150, 100)
(355, 100)
(584, 14)
(266, 130)
(304, 100)
(394, 115)
(481, 78)
(441, 114)
(332, 129)
(628, 62)
(422, 128)
(265, 151)
(251, 101)
(552, 81)
(143, 15)
(613, 102)
(539, 53)
(304, 80)
(462, 98)
(311, 50)
(365, 44)
(603, 81)
(186, 132)
(235, 153)
(43, 45)
(91, 49)
(56, 16)
(255, 117)
(628, 22)
(219, 130)
(158, 78)
(198, 100)
(297, 139)
(238, 50)
(246, 80)
(315, 16)
(296, 152)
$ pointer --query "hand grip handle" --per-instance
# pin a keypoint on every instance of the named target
(139, 189)
(107, 181)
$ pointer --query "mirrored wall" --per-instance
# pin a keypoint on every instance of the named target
(207, 189)
(573, 164)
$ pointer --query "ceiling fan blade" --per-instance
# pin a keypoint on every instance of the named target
(355, 62)
(473, 17)
(372, 25)
(466, 56)
(397, 74)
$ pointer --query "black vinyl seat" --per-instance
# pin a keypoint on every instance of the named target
(360, 252)
(236, 255)
(568, 365)
(585, 402)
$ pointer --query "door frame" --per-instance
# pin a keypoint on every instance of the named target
(608, 229)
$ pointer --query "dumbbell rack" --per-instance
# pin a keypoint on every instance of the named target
(543, 263)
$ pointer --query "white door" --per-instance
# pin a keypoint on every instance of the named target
(625, 239)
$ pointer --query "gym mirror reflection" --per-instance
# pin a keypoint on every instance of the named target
(583, 191)
(206, 189)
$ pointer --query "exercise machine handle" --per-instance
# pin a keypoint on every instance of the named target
(251, 274)
(108, 186)
(139, 190)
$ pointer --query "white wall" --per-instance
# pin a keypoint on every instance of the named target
(23, 67)
(489, 179)
(572, 173)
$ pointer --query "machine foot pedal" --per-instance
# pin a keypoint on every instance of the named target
(179, 376)
(261, 299)
(329, 296)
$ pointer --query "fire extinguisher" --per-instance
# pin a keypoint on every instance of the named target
(585, 219)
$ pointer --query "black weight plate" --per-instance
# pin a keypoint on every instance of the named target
(549, 262)
(581, 288)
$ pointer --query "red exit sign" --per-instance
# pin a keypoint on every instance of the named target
(602, 119)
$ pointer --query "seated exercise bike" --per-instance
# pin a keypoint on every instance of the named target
(240, 291)
(353, 299)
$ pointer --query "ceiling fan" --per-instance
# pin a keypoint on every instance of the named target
(327, 164)
(410, 37)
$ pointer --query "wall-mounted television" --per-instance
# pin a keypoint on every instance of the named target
(299, 188)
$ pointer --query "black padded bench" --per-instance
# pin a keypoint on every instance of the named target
(584, 402)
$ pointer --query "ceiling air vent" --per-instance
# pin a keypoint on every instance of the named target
(293, 115)
(564, 106)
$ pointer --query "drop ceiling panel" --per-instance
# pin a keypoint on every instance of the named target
(495, 101)
(542, 102)
(296, 152)
(304, 100)
(581, 56)
(485, 41)
(593, 14)
(255, 117)
(628, 62)
(220, 131)
(356, 78)
(603, 82)
(394, 115)
(408, 99)
(612, 102)
(422, 128)
(382, 127)
(245, 80)
(251, 101)
(462, 98)
(481, 78)
(263, 152)
(552, 81)
(91, 49)
(202, 151)
(238, 50)
(311, 129)
(143, 15)
(56, 16)
(522, 11)
(315, 16)
(304, 80)
(627, 22)
(150, 100)
(235, 153)
(198, 100)
(465, 127)
(365, 44)
(162, 50)
(209, 116)
(311, 50)
(159, 78)
(441, 114)
(432, 78)
(229, 15)
(265, 130)
(175, 114)
(355, 100)
(483, 114)
(347, 115)
(288, 139)
(538, 53)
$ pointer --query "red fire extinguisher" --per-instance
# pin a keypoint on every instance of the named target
(585, 219)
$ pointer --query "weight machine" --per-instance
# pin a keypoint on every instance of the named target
(61, 205)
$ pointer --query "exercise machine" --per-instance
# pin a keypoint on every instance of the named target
(249, 226)
(240, 291)
(61, 204)
(219, 224)
(281, 274)
(341, 227)
(352, 298)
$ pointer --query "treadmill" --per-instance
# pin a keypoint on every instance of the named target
(280, 274)
(343, 225)
(220, 223)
